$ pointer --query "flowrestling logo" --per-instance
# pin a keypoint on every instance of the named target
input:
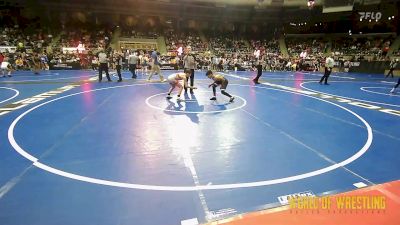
(370, 15)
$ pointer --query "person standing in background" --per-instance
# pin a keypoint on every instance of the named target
(118, 65)
(1, 57)
(189, 63)
(259, 67)
(329, 63)
(36, 63)
(19, 63)
(133, 61)
(156, 66)
(214, 63)
(393, 65)
(103, 61)
(125, 58)
(144, 62)
(6, 67)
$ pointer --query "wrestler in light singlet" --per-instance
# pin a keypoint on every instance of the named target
(175, 81)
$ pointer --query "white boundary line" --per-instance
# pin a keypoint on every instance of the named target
(360, 185)
(319, 154)
(285, 79)
(41, 75)
(361, 100)
(378, 93)
(320, 75)
(16, 94)
(47, 168)
(193, 221)
(388, 82)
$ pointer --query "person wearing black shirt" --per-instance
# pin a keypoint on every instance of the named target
(393, 65)
(118, 65)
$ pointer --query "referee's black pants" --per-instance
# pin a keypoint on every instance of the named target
(103, 67)
(132, 68)
(118, 67)
(326, 75)
(390, 72)
(259, 73)
(191, 80)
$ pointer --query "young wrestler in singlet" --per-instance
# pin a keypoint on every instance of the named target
(219, 80)
(175, 81)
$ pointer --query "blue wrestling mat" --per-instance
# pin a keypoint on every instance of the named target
(75, 151)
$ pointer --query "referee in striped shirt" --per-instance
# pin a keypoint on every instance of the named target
(103, 60)
(189, 63)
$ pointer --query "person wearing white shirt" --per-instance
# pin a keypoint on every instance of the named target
(214, 62)
(103, 60)
(288, 65)
(144, 61)
(257, 53)
(329, 63)
(133, 60)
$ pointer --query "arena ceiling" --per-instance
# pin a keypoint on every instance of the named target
(248, 11)
(253, 2)
(216, 10)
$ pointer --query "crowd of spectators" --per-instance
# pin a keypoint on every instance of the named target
(312, 46)
(174, 40)
(86, 43)
(396, 52)
(376, 47)
(270, 46)
(90, 39)
(226, 44)
(138, 33)
(21, 48)
(216, 51)
(13, 36)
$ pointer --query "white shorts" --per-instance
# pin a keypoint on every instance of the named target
(4, 65)
(171, 79)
